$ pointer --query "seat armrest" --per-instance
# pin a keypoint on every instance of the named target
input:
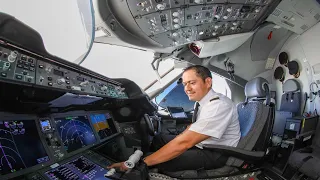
(243, 154)
(305, 136)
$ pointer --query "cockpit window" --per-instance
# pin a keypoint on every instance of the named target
(66, 27)
(174, 95)
(123, 62)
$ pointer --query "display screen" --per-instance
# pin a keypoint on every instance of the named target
(45, 125)
(75, 132)
(20, 146)
(101, 125)
(58, 73)
(177, 112)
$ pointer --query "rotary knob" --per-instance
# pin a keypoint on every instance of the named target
(61, 81)
(13, 56)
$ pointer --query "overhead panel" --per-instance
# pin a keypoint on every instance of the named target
(178, 22)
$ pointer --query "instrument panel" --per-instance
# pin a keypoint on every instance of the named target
(22, 67)
(178, 22)
(29, 142)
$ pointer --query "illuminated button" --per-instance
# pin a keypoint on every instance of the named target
(216, 26)
(229, 9)
(217, 16)
(41, 66)
(225, 17)
(3, 74)
(214, 34)
(50, 83)
(234, 23)
(18, 77)
(233, 28)
(175, 14)
(201, 32)
(177, 26)
(23, 57)
(68, 82)
(67, 78)
(176, 20)
(30, 60)
(161, 7)
(175, 34)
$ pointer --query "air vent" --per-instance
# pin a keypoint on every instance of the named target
(317, 16)
(277, 12)
(304, 27)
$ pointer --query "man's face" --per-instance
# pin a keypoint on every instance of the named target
(194, 86)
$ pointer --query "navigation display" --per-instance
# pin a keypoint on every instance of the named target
(75, 132)
(101, 125)
(20, 146)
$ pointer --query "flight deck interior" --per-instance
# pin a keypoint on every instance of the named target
(62, 119)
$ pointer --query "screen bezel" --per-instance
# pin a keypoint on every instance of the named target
(27, 117)
(170, 112)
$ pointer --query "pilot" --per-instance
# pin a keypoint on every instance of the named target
(215, 121)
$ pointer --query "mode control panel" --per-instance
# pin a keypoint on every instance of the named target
(51, 75)
(16, 66)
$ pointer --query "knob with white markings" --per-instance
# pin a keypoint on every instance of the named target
(13, 56)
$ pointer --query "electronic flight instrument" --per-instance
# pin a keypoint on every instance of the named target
(55, 115)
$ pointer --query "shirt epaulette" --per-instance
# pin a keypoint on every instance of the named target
(213, 99)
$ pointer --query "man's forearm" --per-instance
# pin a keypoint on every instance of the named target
(171, 150)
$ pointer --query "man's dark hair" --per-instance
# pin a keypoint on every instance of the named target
(201, 71)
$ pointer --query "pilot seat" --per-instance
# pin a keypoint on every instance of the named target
(256, 116)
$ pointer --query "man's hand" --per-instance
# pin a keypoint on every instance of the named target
(119, 165)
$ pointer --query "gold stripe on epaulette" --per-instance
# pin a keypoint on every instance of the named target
(215, 98)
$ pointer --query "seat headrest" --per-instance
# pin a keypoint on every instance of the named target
(255, 88)
(291, 85)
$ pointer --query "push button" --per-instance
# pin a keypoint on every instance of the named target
(31, 69)
(18, 77)
(24, 73)
(19, 66)
(49, 78)
(41, 66)
(23, 57)
(3, 74)
(50, 83)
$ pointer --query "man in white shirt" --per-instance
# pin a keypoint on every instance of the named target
(215, 122)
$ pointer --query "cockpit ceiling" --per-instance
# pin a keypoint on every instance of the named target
(172, 23)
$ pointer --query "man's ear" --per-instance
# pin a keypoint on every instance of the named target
(208, 82)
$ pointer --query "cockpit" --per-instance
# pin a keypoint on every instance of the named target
(95, 83)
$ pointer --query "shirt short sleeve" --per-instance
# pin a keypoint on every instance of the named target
(213, 119)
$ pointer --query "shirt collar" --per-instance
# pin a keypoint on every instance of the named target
(207, 97)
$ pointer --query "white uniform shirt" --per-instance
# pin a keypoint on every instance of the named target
(217, 117)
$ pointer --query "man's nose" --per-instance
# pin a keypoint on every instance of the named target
(187, 87)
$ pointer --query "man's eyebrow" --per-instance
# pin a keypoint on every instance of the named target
(188, 81)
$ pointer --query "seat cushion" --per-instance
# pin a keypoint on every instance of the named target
(299, 157)
(311, 168)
